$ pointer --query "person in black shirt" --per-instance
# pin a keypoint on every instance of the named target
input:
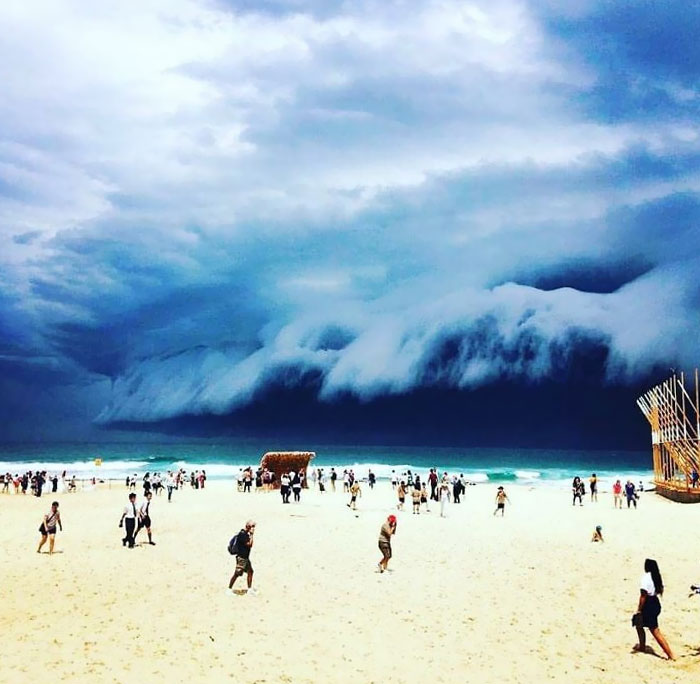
(243, 564)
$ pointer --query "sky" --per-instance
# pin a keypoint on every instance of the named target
(459, 222)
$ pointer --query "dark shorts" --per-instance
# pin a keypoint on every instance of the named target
(44, 530)
(650, 612)
(501, 505)
(145, 522)
(243, 564)
(385, 548)
(353, 499)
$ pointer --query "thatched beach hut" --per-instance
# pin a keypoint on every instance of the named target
(280, 462)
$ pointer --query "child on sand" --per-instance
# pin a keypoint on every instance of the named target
(416, 495)
(501, 498)
(402, 495)
(48, 527)
(597, 534)
(355, 491)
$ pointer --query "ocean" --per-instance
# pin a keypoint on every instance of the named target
(544, 467)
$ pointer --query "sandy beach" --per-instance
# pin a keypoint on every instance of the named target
(470, 597)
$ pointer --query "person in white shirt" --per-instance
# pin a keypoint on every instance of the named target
(170, 484)
(145, 518)
(651, 586)
(128, 521)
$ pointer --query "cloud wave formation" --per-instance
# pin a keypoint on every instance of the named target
(201, 199)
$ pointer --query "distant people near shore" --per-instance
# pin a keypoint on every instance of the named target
(297, 483)
(444, 494)
(578, 491)
(346, 481)
(617, 494)
(457, 489)
(631, 493)
(355, 491)
(333, 478)
(593, 485)
(387, 531)
(501, 498)
(424, 498)
(170, 484)
(371, 479)
(240, 546)
(415, 496)
(321, 480)
(394, 480)
(597, 534)
(128, 521)
(48, 527)
(433, 480)
(132, 483)
(285, 487)
(651, 587)
(402, 495)
(144, 518)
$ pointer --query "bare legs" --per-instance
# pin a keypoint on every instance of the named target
(52, 540)
(660, 639)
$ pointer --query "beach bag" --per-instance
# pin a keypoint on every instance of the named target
(233, 545)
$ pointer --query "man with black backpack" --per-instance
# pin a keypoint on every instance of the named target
(240, 546)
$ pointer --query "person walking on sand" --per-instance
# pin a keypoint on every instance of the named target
(334, 477)
(296, 486)
(144, 519)
(424, 498)
(501, 498)
(651, 586)
(631, 493)
(355, 491)
(386, 532)
(128, 521)
(402, 495)
(617, 494)
(415, 495)
(48, 527)
(243, 545)
(593, 482)
(444, 492)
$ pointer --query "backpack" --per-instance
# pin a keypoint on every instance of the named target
(233, 545)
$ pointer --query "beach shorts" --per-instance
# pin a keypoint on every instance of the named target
(501, 505)
(146, 522)
(385, 548)
(353, 499)
(50, 530)
(243, 564)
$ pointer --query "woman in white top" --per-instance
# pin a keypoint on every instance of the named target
(647, 615)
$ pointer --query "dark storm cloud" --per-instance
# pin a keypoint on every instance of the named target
(358, 203)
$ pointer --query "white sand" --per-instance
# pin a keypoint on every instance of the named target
(471, 597)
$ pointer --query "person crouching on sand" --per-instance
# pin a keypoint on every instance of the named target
(48, 527)
(648, 609)
(597, 534)
(244, 543)
(501, 498)
(385, 533)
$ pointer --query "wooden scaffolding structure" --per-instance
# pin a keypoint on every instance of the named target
(673, 413)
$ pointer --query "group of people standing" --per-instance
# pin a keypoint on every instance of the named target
(631, 493)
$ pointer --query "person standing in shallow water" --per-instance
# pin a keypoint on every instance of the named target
(649, 608)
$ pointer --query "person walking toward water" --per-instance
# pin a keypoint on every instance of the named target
(651, 586)
(501, 498)
(128, 521)
(424, 498)
(402, 495)
(145, 518)
(593, 482)
(386, 532)
(355, 491)
(296, 486)
(415, 494)
(285, 485)
(617, 494)
(48, 527)
(241, 548)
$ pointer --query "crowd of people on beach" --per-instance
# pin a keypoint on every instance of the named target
(37, 483)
